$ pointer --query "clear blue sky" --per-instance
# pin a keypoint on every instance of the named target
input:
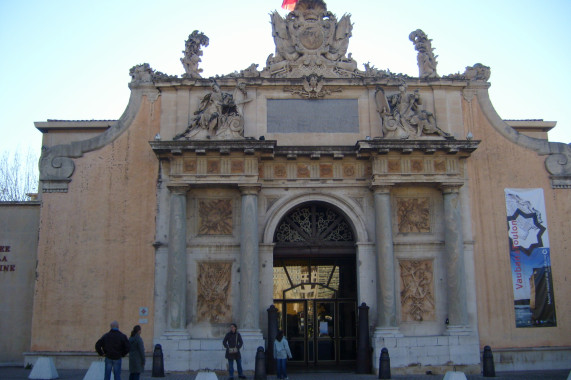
(65, 59)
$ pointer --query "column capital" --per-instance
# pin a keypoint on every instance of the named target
(180, 188)
(383, 188)
(250, 188)
(451, 188)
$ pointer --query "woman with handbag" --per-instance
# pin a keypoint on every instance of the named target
(233, 342)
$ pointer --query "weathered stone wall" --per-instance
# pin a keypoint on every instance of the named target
(18, 246)
(495, 165)
(95, 256)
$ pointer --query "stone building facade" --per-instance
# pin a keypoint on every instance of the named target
(311, 186)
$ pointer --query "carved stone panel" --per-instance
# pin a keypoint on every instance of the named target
(215, 216)
(214, 279)
(417, 290)
(413, 215)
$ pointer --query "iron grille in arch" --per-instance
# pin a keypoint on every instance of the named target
(313, 224)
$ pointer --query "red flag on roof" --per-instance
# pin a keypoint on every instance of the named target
(289, 4)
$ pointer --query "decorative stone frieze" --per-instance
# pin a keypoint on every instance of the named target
(311, 88)
(413, 215)
(417, 290)
(215, 216)
(214, 289)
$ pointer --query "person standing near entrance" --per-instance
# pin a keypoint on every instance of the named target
(233, 343)
(281, 354)
(136, 354)
(113, 345)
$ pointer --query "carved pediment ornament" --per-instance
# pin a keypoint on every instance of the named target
(310, 40)
(311, 88)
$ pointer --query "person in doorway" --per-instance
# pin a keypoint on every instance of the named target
(281, 354)
(233, 343)
(113, 345)
(136, 354)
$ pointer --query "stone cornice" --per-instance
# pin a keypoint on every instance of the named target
(449, 146)
(247, 146)
(270, 149)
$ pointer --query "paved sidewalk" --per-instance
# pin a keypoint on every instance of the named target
(18, 373)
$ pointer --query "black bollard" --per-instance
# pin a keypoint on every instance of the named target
(488, 363)
(158, 364)
(363, 344)
(272, 333)
(384, 364)
(260, 370)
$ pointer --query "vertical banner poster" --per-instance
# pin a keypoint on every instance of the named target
(534, 302)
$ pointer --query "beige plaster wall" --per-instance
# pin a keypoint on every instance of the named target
(18, 246)
(95, 253)
(495, 165)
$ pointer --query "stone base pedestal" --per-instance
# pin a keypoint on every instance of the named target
(181, 353)
(426, 352)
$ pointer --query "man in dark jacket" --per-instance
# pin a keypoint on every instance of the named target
(113, 345)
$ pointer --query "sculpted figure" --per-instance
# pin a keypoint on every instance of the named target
(425, 57)
(218, 115)
(403, 116)
(192, 54)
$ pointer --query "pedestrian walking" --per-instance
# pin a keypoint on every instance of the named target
(281, 354)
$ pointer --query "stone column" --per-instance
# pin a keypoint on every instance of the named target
(454, 250)
(176, 266)
(386, 296)
(249, 259)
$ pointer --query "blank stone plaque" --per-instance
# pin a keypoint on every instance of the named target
(313, 116)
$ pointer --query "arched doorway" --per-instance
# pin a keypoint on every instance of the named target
(315, 285)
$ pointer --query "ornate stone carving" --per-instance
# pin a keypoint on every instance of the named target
(425, 57)
(251, 71)
(417, 294)
(413, 215)
(312, 88)
(402, 115)
(141, 74)
(192, 54)
(219, 115)
(310, 40)
(214, 279)
(478, 72)
(215, 216)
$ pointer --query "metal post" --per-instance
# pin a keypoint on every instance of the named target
(488, 362)
(384, 364)
(363, 343)
(260, 369)
(158, 363)
(272, 333)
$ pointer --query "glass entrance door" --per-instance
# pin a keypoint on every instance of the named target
(317, 310)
